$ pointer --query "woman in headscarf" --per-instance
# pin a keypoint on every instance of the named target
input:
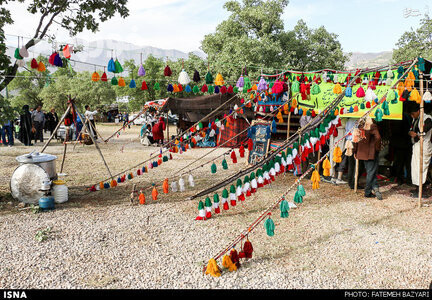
(25, 133)
(158, 130)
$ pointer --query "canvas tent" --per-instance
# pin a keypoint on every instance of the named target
(193, 109)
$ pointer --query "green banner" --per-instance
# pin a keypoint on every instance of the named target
(326, 96)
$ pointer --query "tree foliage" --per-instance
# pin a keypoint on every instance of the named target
(254, 35)
(415, 43)
(73, 15)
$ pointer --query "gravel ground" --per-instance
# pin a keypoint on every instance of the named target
(335, 239)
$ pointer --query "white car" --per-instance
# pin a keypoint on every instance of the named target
(138, 121)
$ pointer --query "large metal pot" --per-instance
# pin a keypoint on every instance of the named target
(45, 161)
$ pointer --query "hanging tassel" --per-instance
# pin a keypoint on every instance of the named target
(174, 186)
(111, 66)
(121, 82)
(248, 249)
(360, 93)
(239, 190)
(326, 167)
(284, 208)
(368, 123)
(165, 186)
(114, 81)
(196, 76)
(219, 80)
(224, 164)
(132, 84)
(201, 212)
(349, 148)
(154, 193)
(41, 67)
(191, 181)
(34, 64)
(181, 184)
(118, 67)
(167, 71)
(213, 168)
(141, 198)
(95, 77)
(208, 206)
(262, 84)
(213, 269)
(141, 71)
(233, 157)
(216, 204)
(337, 154)
(225, 196)
(232, 194)
(240, 82)
(209, 78)
(183, 78)
(269, 226)
(228, 264)
(315, 180)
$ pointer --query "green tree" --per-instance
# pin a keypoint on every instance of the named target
(28, 85)
(254, 35)
(75, 16)
(415, 43)
(312, 49)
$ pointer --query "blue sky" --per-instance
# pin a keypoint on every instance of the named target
(361, 25)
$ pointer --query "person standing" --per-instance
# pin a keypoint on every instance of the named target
(158, 130)
(25, 134)
(79, 126)
(7, 132)
(414, 133)
(52, 121)
(400, 143)
(126, 119)
(367, 150)
(38, 121)
(90, 116)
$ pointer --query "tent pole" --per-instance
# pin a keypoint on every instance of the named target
(167, 127)
(356, 175)
(55, 130)
(93, 139)
(289, 125)
(421, 123)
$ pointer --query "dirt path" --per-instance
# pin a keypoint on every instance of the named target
(335, 239)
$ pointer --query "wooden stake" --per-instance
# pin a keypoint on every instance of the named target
(421, 123)
(55, 130)
(356, 175)
(167, 127)
(94, 141)
(289, 125)
(64, 156)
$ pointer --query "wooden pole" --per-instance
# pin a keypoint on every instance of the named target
(421, 123)
(63, 159)
(356, 175)
(94, 141)
(167, 126)
(55, 130)
(289, 125)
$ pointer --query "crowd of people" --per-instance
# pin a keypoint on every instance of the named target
(402, 152)
(29, 127)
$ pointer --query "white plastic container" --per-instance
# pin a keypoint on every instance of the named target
(60, 191)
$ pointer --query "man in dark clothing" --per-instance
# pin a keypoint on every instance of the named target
(52, 121)
(25, 133)
(367, 150)
(400, 142)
